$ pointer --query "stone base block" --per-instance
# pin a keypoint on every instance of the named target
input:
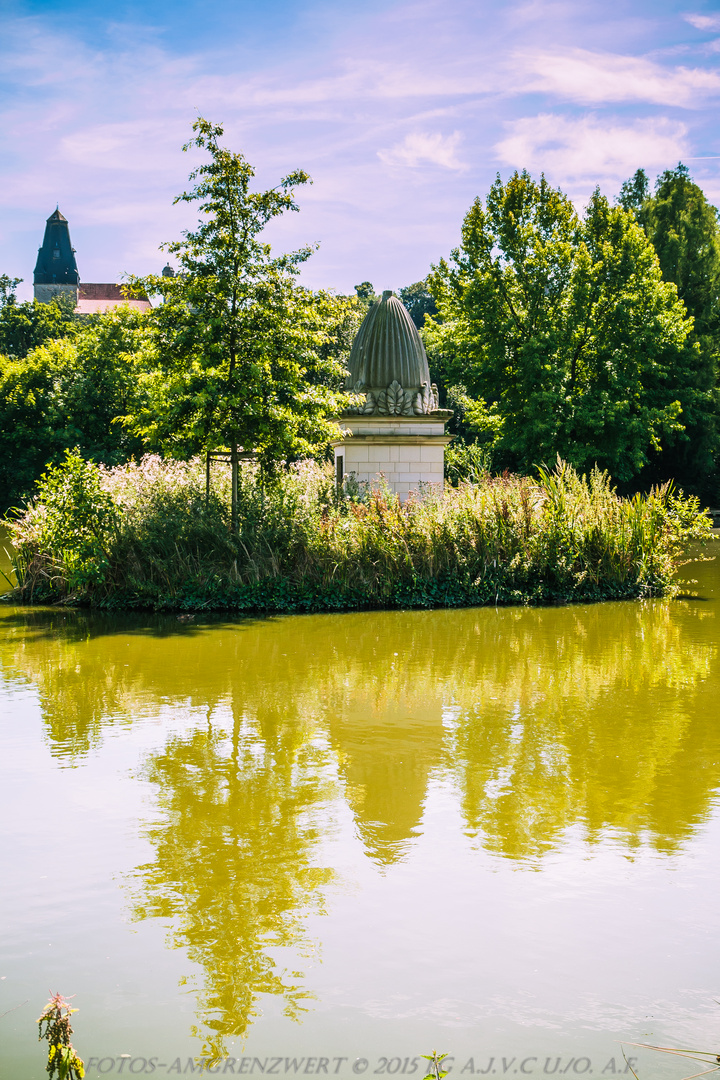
(406, 455)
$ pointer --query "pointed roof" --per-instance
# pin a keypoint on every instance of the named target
(387, 347)
(56, 263)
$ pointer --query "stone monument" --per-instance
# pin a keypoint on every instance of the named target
(397, 431)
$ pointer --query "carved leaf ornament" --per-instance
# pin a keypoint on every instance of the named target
(395, 401)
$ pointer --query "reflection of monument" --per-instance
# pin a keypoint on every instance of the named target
(386, 751)
(56, 273)
(398, 429)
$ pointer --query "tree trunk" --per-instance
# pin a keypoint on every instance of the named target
(234, 524)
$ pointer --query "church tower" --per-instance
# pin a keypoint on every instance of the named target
(56, 270)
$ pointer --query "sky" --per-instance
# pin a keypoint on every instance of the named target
(401, 112)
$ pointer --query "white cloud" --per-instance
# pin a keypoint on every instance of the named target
(368, 107)
(126, 146)
(703, 22)
(592, 77)
(589, 149)
(420, 148)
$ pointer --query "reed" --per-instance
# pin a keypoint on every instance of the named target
(143, 536)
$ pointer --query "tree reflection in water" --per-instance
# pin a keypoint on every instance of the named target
(598, 719)
(607, 725)
(233, 866)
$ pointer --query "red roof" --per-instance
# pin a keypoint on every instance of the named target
(94, 291)
(94, 297)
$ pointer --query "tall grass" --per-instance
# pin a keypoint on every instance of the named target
(142, 535)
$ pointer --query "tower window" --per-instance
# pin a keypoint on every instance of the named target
(56, 253)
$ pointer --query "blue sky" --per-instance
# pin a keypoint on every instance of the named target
(401, 112)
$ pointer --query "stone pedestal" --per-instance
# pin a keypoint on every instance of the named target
(406, 451)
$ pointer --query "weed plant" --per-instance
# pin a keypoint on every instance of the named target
(143, 535)
(54, 1026)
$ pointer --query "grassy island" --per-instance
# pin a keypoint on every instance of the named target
(145, 536)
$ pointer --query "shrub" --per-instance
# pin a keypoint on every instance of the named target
(144, 535)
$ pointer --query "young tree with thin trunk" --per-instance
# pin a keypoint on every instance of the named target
(241, 357)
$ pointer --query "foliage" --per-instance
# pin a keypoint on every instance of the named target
(435, 1069)
(54, 1025)
(71, 532)
(684, 230)
(634, 192)
(243, 352)
(341, 318)
(8, 286)
(140, 535)
(564, 327)
(466, 462)
(419, 301)
(25, 326)
(472, 418)
(366, 293)
(70, 392)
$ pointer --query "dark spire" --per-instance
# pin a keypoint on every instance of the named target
(56, 258)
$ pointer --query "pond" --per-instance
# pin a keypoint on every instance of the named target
(325, 845)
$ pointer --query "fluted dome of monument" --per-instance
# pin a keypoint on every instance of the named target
(387, 349)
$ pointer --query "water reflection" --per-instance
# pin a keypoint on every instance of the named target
(594, 715)
(605, 722)
(596, 719)
(234, 866)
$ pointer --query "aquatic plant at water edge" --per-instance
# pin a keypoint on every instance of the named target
(54, 1025)
(435, 1069)
(144, 535)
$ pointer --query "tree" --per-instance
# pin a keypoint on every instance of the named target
(366, 293)
(71, 392)
(684, 230)
(634, 192)
(564, 327)
(24, 326)
(239, 342)
(419, 302)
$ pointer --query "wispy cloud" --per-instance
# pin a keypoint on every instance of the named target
(401, 113)
(589, 148)
(592, 77)
(703, 22)
(419, 148)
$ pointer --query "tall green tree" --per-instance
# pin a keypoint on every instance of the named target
(684, 229)
(241, 362)
(564, 327)
(419, 301)
(634, 193)
(366, 294)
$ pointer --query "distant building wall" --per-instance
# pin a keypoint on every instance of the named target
(45, 293)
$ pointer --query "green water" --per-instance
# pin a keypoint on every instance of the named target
(324, 845)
